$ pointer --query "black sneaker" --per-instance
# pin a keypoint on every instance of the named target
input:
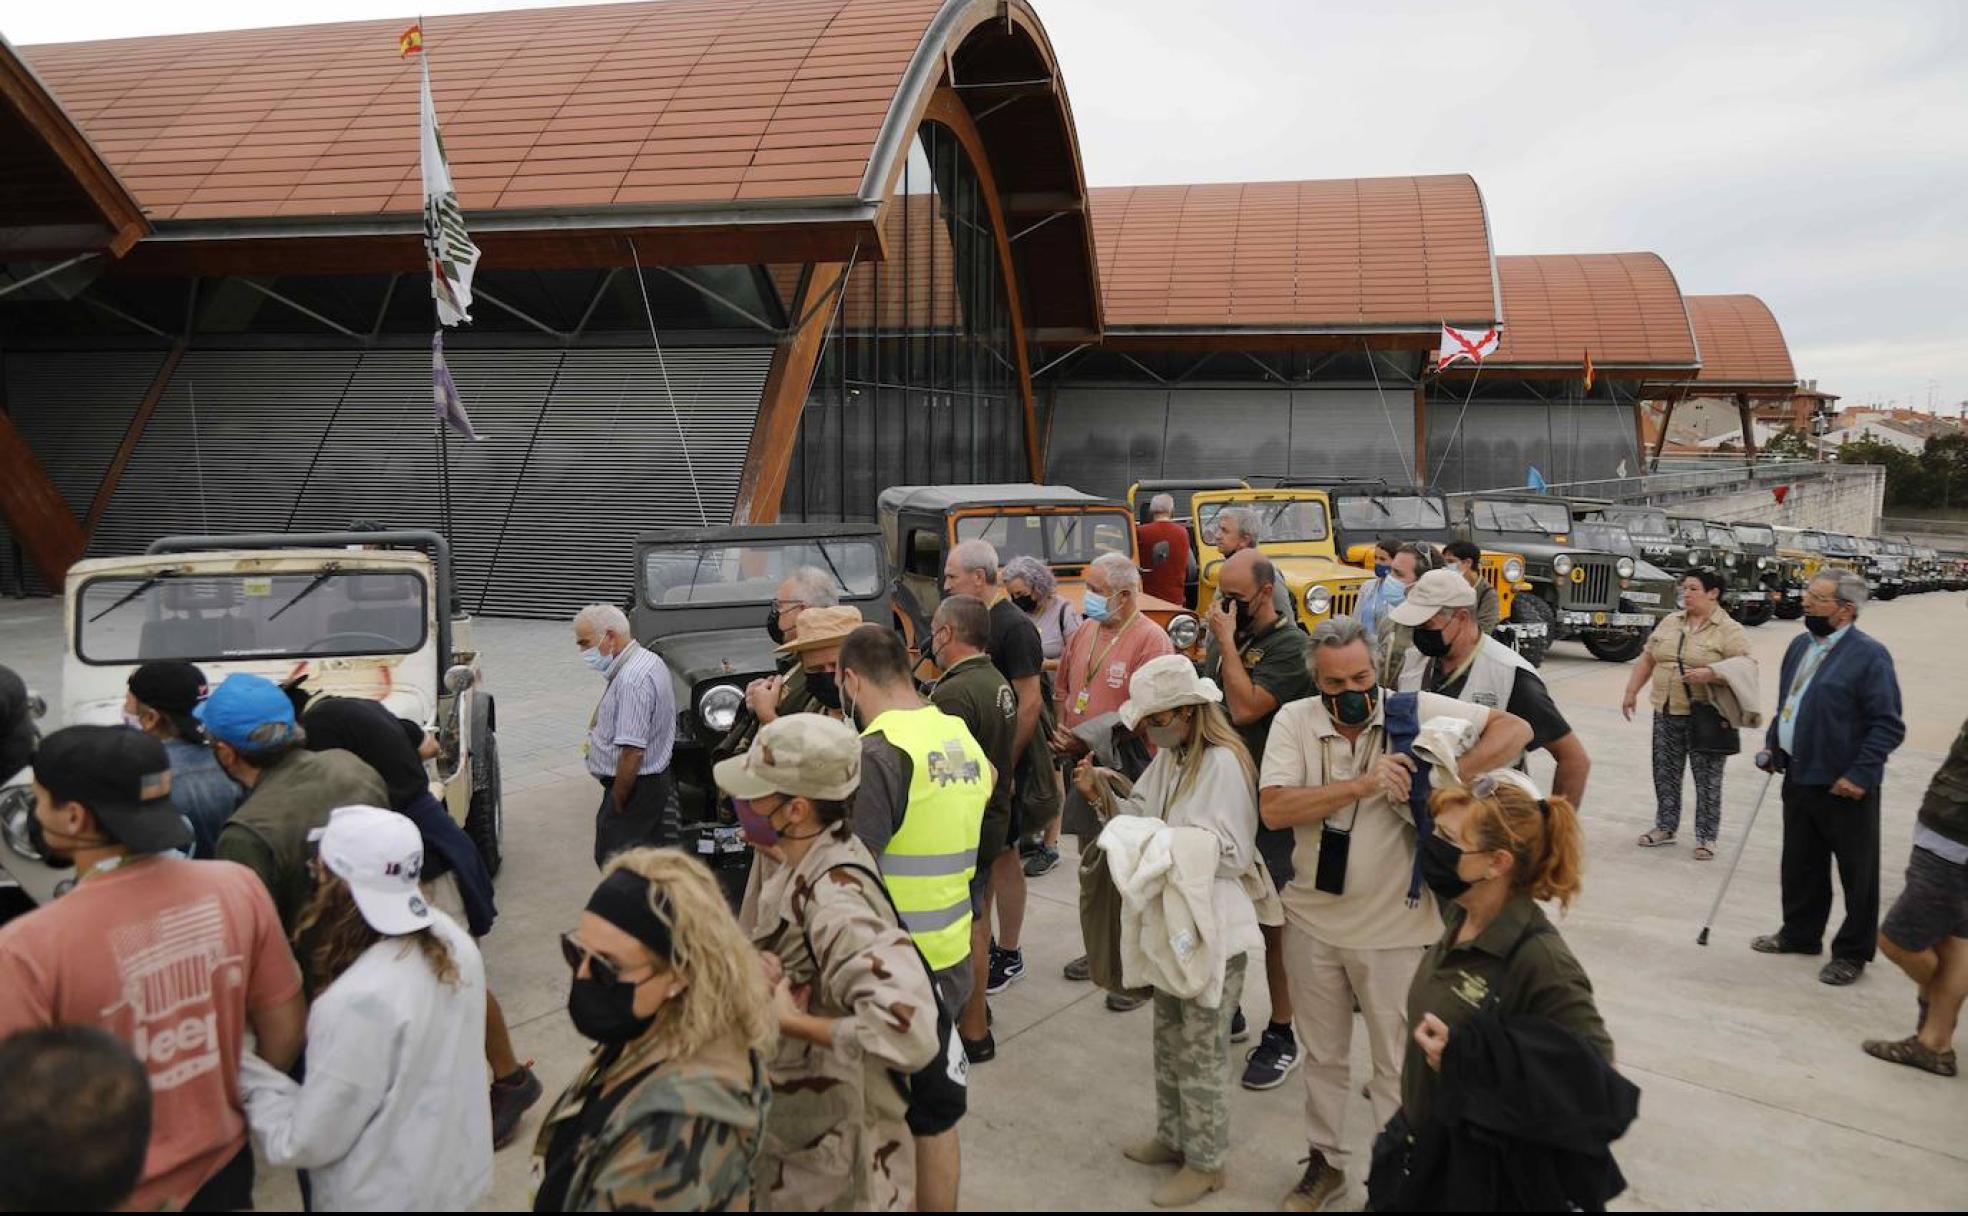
(1272, 1060)
(510, 1098)
(1041, 862)
(977, 1051)
(1007, 968)
(1239, 1028)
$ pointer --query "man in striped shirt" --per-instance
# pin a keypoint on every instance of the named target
(630, 736)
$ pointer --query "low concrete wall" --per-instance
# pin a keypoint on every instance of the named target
(1840, 498)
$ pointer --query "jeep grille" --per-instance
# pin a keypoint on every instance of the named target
(1345, 600)
(1600, 590)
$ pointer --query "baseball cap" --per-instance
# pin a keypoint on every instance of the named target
(123, 776)
(1165, 683)
(173, 688)
(248, 712)
(818, 627)
(380, 855)
(1432, 592)
(806, 755)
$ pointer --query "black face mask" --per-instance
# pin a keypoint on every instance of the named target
(1432, 643)
(824, 688)
(605, 1012)
(773, 629)
(1440, 862)
(1243, 611)
(1820, 626)
(37, 839)
(1025, 604)
(1351, 708)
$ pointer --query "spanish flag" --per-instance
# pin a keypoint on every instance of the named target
(412, 41)
(1588, 371)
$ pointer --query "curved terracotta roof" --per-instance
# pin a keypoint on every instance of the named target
(671, 102)
(1625, 308)
(1741, 345)
(56, 194)
(1359, 254)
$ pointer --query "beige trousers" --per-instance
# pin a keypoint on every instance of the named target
(1325, 980)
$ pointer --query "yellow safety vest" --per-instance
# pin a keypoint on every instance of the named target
(931, 858)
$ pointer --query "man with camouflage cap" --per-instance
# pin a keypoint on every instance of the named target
(854, 997)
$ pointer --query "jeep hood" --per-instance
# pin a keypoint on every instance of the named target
(738, 653)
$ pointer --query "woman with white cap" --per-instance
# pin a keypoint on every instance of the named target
(392, 1115)
(1201, 778)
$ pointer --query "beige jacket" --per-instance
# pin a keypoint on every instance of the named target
(1740, 692)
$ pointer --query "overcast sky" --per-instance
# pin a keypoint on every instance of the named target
(1812, 152)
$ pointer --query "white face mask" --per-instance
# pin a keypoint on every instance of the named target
(133, 721)
(593, 657)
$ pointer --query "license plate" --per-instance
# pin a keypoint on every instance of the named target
(1644, 597)
(1536, 629)
(1794, 593)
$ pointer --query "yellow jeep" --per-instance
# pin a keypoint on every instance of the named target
(1296, 534)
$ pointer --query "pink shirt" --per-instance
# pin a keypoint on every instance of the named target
(169, 956)
(1100, 664)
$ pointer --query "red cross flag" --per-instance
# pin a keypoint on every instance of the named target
(1474, 345)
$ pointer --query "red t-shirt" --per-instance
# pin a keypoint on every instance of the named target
(169, 956)
(1164, 579)
(1100, 665)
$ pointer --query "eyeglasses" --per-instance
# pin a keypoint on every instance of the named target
(602, 969)
(1487, 784)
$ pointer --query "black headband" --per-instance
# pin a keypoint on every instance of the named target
(622, 900)
(1544, 808)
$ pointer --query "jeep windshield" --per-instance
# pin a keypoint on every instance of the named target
(687, 575)
(166, 614)
(1057, 538)
(1372, 514)
(1720, 537)
(1838, 545)
(1285, 521)
(1550, 518)
(1643, 525)
(1606, 538)
(1690, 531)
(1761, 535)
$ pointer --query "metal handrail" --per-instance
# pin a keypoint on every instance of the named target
(1622, 488)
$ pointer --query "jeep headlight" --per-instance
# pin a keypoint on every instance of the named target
(1625, 567)
(1184, 631)
(1513, 570)
(1562, 565)
(1762, 563)
(16, 805)
(719, 704)
(1318, 599)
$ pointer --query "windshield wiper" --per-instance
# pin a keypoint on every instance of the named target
(136, 591)
(1375, 500)
(831, 568)
(327, 572)
(1066, 541)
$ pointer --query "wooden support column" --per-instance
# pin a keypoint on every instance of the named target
(770, 457)
(1660, 440)
(106, 492)
(34, 510)
(1748, 425)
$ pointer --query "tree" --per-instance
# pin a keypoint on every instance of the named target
(1902, 469)
(1937, 477)
(1791, 444)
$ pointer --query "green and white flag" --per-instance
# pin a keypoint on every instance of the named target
(447, 246)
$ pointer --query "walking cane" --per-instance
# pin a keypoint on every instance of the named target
(1736, 860)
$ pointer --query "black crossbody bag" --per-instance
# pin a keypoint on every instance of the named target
(1709, 733)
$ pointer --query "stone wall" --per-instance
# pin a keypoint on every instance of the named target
(1839, 498)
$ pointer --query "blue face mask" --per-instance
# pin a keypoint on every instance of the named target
(593, 657)
(1382, 569)
(1094, 606)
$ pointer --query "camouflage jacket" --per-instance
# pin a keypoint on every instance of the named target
(837, 1137)
(686, 1138)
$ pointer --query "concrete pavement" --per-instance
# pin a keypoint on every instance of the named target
(1755, 1092)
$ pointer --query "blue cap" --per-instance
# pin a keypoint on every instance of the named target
(248, 712)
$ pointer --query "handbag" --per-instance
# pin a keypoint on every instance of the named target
(1100, 921)
(1709, 733)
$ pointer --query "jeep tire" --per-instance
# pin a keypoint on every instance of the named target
(1614, 645)
(486, 822)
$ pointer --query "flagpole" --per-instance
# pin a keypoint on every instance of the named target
(437, 322)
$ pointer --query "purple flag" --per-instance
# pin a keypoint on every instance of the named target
(444, 392)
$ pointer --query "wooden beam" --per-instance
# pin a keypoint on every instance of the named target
(788, 382)
(106, 492)
(1748, 426)
(1660, 440)
(34, 510)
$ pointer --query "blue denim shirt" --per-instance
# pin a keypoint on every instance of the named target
(202, 792)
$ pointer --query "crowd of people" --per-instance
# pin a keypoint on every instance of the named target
(272, 936)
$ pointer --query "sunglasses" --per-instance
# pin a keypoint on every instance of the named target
(600, 968)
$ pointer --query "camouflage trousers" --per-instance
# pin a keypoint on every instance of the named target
(1192, 1072)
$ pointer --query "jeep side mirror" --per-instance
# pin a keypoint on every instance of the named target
(458, 679)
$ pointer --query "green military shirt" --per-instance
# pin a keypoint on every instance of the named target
(1518, 966)
(1945, 808)
(1275, 660)
(974, 692)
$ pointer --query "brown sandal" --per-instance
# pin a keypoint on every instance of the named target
(1913, 1053)
(1704, 853)
(1656, 838)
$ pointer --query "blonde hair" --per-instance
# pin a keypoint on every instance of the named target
(334, 927)
(724, 993)
(1213, 729)
(1543, 838)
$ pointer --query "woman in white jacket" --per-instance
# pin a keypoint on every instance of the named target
(1201, 781)
(392, 1115)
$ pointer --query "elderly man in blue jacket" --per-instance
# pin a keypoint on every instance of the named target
(1837, 719)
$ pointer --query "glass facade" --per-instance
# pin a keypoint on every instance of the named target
(918, 381)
